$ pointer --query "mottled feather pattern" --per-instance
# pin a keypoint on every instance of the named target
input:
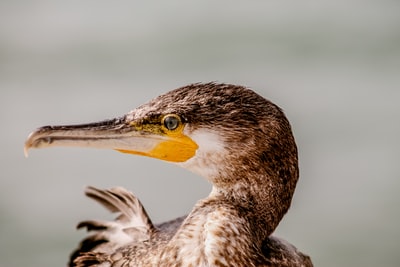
(120, 200)
(276, 251)
(132, 225)
(246, 150)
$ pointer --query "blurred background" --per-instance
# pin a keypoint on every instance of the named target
(333, 66)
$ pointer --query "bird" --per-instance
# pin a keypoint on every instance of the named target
(230, 135)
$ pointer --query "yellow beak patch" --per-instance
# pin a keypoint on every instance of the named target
(174, 149)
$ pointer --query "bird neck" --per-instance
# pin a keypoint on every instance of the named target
(237, 220)
(262, 193)
(262, 180)
(263, 213)
(232, 218)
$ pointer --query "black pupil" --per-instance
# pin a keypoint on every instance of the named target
(171, 123)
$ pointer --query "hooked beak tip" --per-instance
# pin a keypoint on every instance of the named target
(26, 154)
(28, 145)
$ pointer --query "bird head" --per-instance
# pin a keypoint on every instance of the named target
(218, 131)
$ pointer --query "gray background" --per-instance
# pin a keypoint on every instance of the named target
(332, 65)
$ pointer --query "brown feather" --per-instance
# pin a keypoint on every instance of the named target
(246, 149)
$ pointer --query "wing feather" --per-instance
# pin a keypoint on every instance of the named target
(131, 225)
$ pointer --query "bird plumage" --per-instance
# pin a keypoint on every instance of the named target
(230, 135)
(106, 247)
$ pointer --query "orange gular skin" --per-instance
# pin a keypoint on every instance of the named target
(169, 145)
(177, 148)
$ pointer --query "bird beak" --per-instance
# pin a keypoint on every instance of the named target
(119, 134)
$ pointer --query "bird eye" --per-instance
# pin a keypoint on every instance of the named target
(171, 122)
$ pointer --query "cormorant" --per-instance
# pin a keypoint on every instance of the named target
(228, 134)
